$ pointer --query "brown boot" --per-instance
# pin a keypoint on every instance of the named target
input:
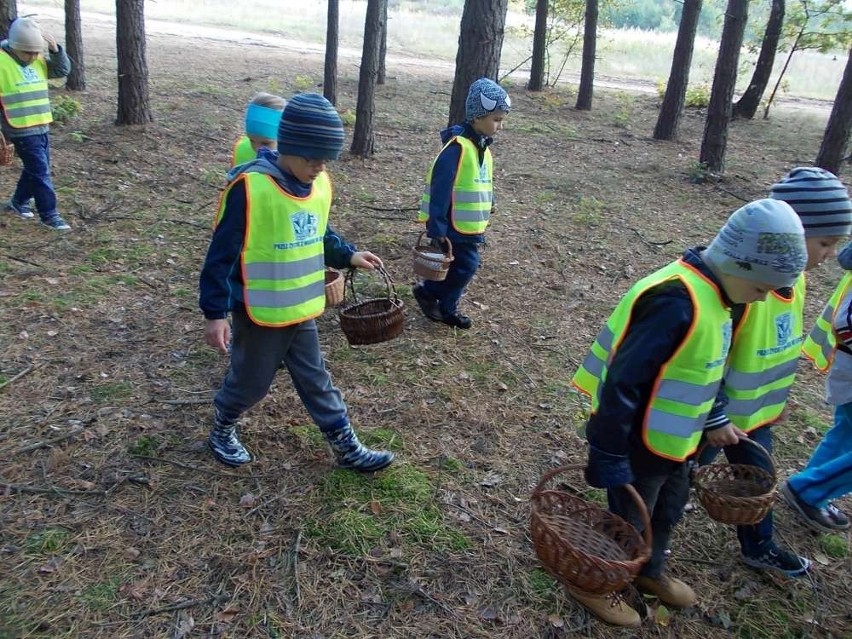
(609, 608)
(667, 589)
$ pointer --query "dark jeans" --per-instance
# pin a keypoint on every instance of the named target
(751, 537)
(448, 292)
(35, 182)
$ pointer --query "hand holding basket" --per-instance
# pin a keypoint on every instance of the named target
(428, 263)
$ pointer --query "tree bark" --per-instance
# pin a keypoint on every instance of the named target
(587, 72)
(747, 105)
(715, 139)
(671, 110)
(76, 80)
(480, 41)
(133, 102)
(329, 81)
(383, 46)
(539, 50)
(363, 138)
(835, 141)
(8, 12)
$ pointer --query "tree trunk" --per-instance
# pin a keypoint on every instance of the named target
(747, 105)
(76, 80)
(329, 80)
(383, 46)
(587, 72)
(8, 12)
(672, 107)
(539, 50)
(363, 138)
(133, 104)
(836, 138)
(480, 41)
(725, 76)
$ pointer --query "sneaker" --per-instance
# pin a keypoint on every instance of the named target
(23, 211)
(667, 589)
(609, 608)
(774, 558)
(56, 223)
(838, 516)
(814, 517)
(427, 303)
(457, 320)
(226, 446)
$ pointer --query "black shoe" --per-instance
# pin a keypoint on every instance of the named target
(814, 517)
(457, 320)
(427, 303)
(771, 557)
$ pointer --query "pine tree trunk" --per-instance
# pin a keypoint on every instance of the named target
(747, 105)
(835, 141)
(715, 139)
(133, 104)
(8, 12)
(672, 107)
(539, 50)
(383, 46)
(480, 41)
(363, 139)
(587, 73)
(76, 80)
(329, 81)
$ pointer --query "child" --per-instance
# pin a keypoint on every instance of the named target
(265, 265)
(261, 127)
(654, 370)
(27, 116)
(828, 474)
(458, 199)
(766, 348)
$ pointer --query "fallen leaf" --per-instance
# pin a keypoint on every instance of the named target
(248, 501)
(227, 615)
(662, 615)
(821, 558)
(556, 621)
(375, 508)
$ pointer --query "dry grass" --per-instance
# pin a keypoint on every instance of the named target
(115, 521)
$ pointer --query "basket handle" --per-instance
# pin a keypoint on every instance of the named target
(350, 278)
(743, 440)
(420, 245)
(637, 499)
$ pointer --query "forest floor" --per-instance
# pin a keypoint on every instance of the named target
(115, 522)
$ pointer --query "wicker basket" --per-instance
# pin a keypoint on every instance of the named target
(584, 546)
(738, 494)
(428, 263)
(7, 151)
(333, 287)
(373, 320)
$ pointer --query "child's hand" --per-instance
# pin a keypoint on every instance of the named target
(728, 435)
(365, 260)
(217, 333)
(52, 46)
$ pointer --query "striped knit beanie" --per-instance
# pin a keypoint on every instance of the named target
(819, 198)
(311, 128)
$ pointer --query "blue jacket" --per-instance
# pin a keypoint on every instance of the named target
(221, 281)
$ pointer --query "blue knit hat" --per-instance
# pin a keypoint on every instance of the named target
(485, 96)
(311, 128)
(819, 198)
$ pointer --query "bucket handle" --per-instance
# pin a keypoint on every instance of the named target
(420, 245)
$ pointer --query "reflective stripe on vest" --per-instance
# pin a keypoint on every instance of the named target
(763, 359)
(24, 93)
(821, 344)
(687, 383)
(472, 192)
(242, 152)
(283, 260)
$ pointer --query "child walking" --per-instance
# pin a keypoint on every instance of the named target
(265, 266)
(828, 474)
(261, 127)
(458, 199)
(655, 368)
(27, 116)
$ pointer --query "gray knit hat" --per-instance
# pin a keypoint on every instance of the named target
(763, 242)
(311, 128)
(485, 96)
(25, 35)
(819, 198)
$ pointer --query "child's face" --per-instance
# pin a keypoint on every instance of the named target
(820, 249)
(743, 291)
(265, 143)
(489, 125)
(27, 57)
(305, 170)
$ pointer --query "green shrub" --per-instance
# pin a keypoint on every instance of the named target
(697, 97)
(64, 109)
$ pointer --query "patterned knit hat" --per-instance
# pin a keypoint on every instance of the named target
(819, 198)
(311, 128)
(763, 242)
(25, 35)
(485, 96)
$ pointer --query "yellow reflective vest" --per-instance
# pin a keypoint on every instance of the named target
(686, 385)
(283, 257)
(472, 191)
(764, 355)
(243, 152)
(24, 93)
(821, 344)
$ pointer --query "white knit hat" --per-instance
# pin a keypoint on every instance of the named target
(25, 35)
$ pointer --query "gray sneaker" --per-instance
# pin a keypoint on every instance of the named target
(56, 223)
(23, 211)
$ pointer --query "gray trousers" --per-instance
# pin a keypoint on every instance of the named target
(256, 355)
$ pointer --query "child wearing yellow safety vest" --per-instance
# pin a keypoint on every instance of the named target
(25, 102)
(828, 474)
(261, 127)
(767, 343)
(266, 268)
(458, 199)
(655, 368)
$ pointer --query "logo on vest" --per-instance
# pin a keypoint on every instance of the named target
(483, 174)
(784, 337)
(29, 74)
(726, 346)
(305, 225)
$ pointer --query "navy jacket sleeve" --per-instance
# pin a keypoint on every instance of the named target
(338, 252)
(441, 190)
(58, 63)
